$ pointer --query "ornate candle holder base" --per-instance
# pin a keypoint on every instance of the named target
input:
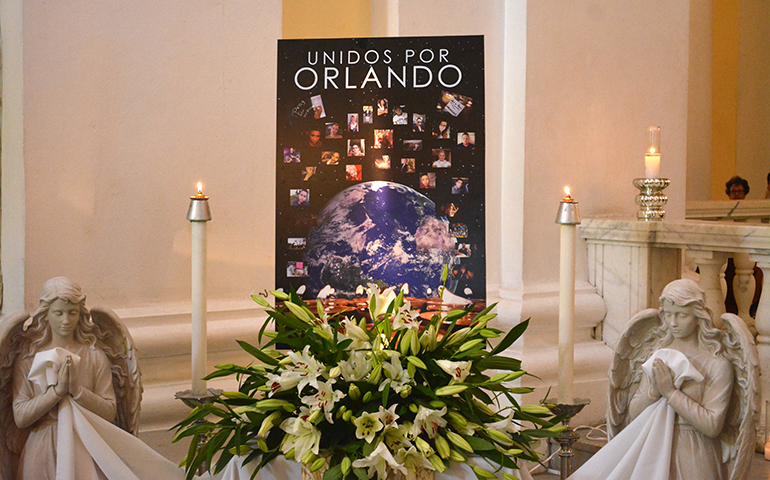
(192, 400)
(651, 198)
(568, 437)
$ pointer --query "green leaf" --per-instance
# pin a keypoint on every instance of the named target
(360, 473)
(479, 444)
(499, 363)
(255, 352)
(385, 393)
(300, 312)
(334, 473)
(512, 336)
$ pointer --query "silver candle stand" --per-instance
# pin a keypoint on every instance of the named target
(651, 198)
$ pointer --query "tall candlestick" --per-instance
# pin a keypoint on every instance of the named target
(568, 217)
(198, 214)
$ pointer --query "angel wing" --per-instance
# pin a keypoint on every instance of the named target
(13, 342)
(634, 347)
(119, 346)
(739, 432)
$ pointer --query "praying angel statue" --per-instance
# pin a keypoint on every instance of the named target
(683, 395)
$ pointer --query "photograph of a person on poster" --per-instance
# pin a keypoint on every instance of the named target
(383, 139)
(307, 173)
(466, 144)
(368, 114)
(333, 130)
(330, 158)
(382, 107)
(352, 122)
(441, 158)
(299, 197)
(290, 155)
(383, 163)
(314, 138)
(418, 122)
(428, 180)
(413, 145)
(400, 117)
(407, 165)
(353, 173)
(459, 186)
(356, 148)
(442, 130)
(296, 269)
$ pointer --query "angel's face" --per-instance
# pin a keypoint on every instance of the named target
(63, 318)
(681, 321)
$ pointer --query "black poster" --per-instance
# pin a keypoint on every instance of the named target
(380, 166)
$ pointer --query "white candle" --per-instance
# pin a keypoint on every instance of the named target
(199, 214)
(566, 314)
(652, 153)
(568, 218)
(652, 165)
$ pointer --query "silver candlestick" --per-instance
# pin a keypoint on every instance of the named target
(568, 437)
(651, 198)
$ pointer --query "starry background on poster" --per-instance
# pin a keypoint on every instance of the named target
(370, 189)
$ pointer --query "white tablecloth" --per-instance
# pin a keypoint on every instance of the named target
(281, 469)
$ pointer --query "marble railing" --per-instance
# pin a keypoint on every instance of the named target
(629, 263)
(736, 210)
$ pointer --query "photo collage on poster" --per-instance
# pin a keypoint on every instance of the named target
(380, 165)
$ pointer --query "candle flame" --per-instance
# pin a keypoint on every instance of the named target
(652, 150)
(200, 188)
(566, 191)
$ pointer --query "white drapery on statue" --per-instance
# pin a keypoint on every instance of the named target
(643, 450)
(85, 440)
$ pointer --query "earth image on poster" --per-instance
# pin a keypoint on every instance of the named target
(378, 230)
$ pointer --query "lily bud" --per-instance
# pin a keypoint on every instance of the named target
(354, 391)
(347, 415)
(308, 457)
(367, 397)
(459, 441)
(437, 463)
(290, 454)
(423, 446)
(335, 372)
(442, 446)
(406, 391)
(345, 465)
(318, 464)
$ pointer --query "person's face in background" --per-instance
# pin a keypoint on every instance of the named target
(302, 196)
(314, 137)
(355, 150)
(737, 192)
(466, 140)
(442, 126)
(459, 183)
(425, 181)
(334, 129)
(441, 155)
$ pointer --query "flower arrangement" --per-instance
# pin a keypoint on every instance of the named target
(360, 399)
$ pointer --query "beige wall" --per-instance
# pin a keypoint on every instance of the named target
(326, 18)
(599, 73)
(126, 106)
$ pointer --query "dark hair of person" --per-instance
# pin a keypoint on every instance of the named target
(736, 180)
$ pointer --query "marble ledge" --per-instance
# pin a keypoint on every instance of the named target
(690, 234)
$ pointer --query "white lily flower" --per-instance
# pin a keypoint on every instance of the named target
(356, 367)
(412, 460)
(379, 461)
(429, 421)
(381, 300)
(406, 318)
(396, 438)
(301, 436)
(354, 332)
(285, 381)
(388, 417)
(506, 425)
(307, 367)
(398, 377)
(324, 399)
(367, 425)
(458, 370)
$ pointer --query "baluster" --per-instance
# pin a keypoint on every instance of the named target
(762, 324)
(743, 286)
(709, 265)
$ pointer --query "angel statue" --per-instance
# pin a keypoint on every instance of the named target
(683, 395)
(70, 394)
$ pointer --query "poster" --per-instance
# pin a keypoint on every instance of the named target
(380, 166)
